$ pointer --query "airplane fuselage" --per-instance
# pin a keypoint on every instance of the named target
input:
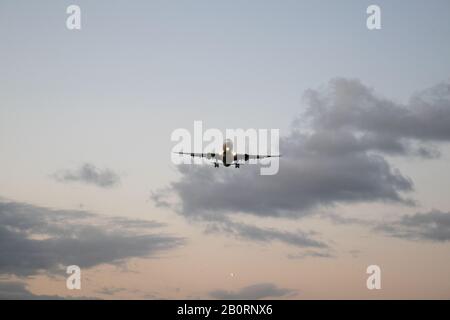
(227, 153)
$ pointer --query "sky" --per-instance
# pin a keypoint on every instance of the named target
(86, 176)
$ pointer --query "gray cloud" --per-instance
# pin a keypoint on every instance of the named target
(310, 254)
(111, 291)
(264, 235)
(37, 239)
(431, 226)
(354, 253)
(349, 106)
(256, 291)
(14, 290)
(301, 185)
(89, 174)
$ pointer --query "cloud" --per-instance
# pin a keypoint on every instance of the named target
(265, 235)
(349, 106)
(302, 184)
(14, 290)
(431, 226)
(36, 239)
(312, 254)
(253, 292)
(335, 154)
(111, 291)
(89, 174)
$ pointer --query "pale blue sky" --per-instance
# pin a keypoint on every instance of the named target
(210, 59)
(136, 71)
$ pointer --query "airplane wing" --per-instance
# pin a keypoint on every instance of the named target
(247, 156)
(200, 155)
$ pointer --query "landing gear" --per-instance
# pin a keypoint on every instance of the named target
(216, 165)
(236, 165)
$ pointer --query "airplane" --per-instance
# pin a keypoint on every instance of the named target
(227, 157)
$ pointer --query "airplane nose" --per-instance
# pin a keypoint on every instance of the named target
(228, 144)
